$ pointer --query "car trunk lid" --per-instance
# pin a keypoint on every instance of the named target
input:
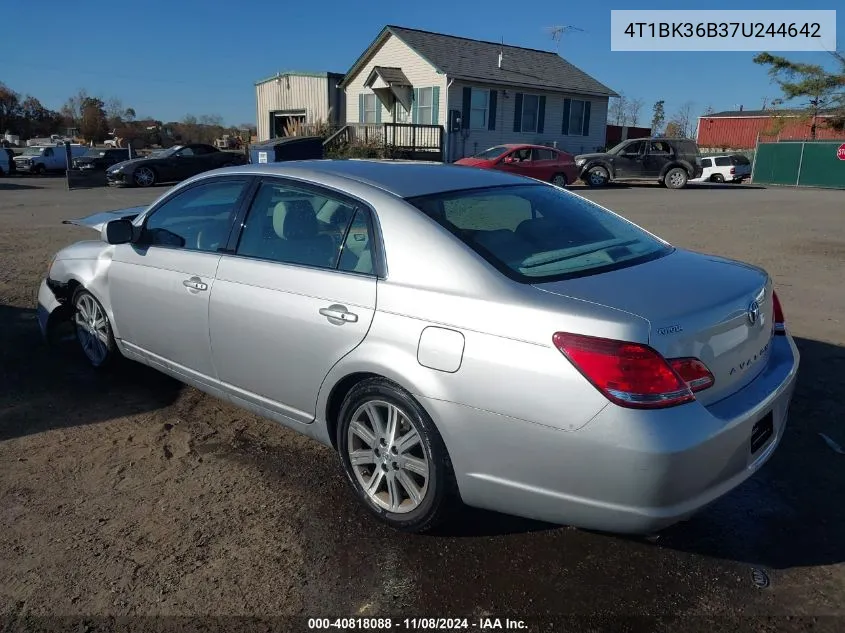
(697, 306)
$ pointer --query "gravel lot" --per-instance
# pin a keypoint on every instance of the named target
(132, 495)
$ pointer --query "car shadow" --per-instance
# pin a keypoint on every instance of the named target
(648, 184)
(47, 388)
(16, 186)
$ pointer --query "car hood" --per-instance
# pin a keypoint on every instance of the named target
(591, 156)
(130, 162)
(98, 220)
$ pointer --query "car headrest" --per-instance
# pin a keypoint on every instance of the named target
(300, 220)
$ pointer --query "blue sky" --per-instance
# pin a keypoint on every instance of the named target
(171, 58)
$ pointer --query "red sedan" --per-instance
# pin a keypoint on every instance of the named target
(535, 161)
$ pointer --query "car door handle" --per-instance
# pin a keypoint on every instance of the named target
(195, 283)
(339, 313)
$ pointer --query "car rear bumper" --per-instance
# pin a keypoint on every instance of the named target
(626, 471)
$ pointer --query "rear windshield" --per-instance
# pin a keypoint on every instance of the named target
(538, 233)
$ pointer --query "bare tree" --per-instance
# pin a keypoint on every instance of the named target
(617, 110)
(683, 120)
(633, 109)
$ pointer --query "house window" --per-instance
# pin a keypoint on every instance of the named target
(530, 112)
(424, 105)
(402, 115)
(576, 118)
(370, 106)
(479, 105)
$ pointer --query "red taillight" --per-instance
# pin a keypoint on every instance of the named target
(693, 372)
(778, 320)
(733, 170)
(628, 374)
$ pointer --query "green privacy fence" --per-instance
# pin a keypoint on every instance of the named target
(800, 163)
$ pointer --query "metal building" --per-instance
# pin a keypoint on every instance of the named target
(291, 98)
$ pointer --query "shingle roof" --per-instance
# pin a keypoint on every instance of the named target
(476, 60)
(391, 75)
(726, 114)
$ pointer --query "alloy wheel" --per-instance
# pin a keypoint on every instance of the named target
(388, 457)
(144, 177)
(92, 329)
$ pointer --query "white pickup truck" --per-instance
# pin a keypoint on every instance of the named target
(44, 158)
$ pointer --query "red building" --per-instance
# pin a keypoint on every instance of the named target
(740, 129)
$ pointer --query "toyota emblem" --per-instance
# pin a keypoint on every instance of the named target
(753, 312)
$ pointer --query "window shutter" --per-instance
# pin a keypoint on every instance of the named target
(541, 115)
(361, 107)
(517, 112)
(465, 107)
(586, 130)
(415, 107)
(567, 108)
(378, 110)
(435, 105)
(491, 110)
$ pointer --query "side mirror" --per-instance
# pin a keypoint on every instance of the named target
(118, 231)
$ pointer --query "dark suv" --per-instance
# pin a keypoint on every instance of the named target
(669, 161)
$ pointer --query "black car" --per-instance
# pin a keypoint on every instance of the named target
(171, 165)
(102, 159)
(669, 161)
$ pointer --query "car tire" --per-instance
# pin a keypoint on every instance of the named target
(597, 176)
(559, 180)
(717, 178)
(38, 170)
(676, 178)
(412, 483)
(144, 177)
(93, 330)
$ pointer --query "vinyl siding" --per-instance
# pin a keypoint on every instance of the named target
(479, 140)
(394, 52)
(291, 92)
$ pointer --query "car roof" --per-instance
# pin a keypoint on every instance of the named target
(406, 179)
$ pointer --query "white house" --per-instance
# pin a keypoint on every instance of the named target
(482, 93)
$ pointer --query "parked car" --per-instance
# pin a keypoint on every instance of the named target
(46, 158)
(7, 161)
(99, 159)
(171, 165)
(729, 168)
(535, 161)
(553, 360)
(670, 161)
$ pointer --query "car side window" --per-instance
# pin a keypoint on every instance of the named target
(634, 149)
(282, 226)
(706, 162)
(544, 154)
(357, 254)
(187, 151)
(723, 161)
(48, 152)
(658, 148)
(198, 219)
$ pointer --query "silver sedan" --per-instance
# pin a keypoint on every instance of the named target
(455, 334)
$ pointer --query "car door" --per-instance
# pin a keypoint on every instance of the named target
(160, 284)
(297, 295)
(185, 163)
(658, 155)
(517, 162)
(543, 164)
(629, 161)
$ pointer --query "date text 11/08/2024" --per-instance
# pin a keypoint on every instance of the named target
(417, 624)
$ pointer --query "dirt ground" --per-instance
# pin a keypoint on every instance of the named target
(128, 494)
